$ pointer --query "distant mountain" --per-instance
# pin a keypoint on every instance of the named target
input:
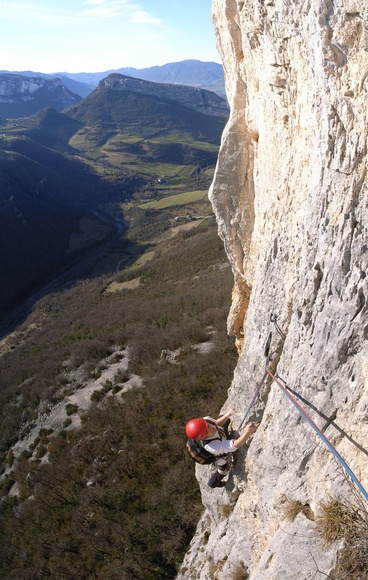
(146, 109)
(78, 88)
(194, 73)
(205, 75)
(144, 105)
(22, 96)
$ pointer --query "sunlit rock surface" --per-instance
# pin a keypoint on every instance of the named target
(290, 196)
(22, 96)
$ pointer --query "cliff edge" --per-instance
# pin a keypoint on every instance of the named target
(291, 200)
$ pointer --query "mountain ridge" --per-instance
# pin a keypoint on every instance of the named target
(132, 102)
(205, 75)
(22, 96)
(197, 99)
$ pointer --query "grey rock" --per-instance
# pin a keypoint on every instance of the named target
(22, 96)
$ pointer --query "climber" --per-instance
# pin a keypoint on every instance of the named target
(210, 442)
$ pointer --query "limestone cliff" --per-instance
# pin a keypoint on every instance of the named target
(22, 96)
(291, 199)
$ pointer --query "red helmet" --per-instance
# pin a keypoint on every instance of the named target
(196, 429)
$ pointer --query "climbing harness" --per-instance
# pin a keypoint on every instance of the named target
(198, 453)
(287, 392)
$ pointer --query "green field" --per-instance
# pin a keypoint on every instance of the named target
(115, 153)
(178, 199)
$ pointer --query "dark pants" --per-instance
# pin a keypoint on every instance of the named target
(216, 479)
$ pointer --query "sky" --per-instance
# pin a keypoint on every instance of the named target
(97, 35)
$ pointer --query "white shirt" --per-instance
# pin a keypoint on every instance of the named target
(216, 446)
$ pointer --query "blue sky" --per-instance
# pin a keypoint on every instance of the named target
(97, 35)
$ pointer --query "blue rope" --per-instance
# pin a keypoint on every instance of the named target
(320, 434)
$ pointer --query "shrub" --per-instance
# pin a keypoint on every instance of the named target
(44, 433)
(240, 572)
(7, 483)
(225, 510)
(293, 507)
(41, 451)
(70, 409)
(97, 396)
(10, 458)
(339, 520)
(122, 376)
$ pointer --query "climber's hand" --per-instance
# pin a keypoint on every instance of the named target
(252, 427)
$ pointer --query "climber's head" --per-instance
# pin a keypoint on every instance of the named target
(196, 429)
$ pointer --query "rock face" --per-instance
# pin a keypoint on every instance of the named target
(22, 96)
(196, 99)
(291, 199)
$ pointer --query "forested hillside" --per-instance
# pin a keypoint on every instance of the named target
(115, 497)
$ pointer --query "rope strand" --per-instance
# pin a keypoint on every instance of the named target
(287, 392)
(319, 433)
(329, 420)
